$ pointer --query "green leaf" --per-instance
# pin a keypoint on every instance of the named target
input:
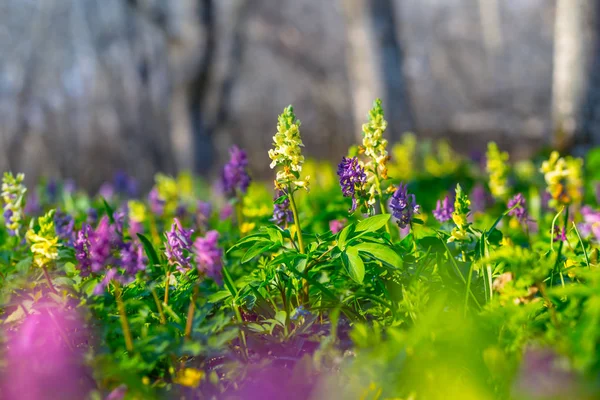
(149, 249)
(229, 282)
(248, 239)
(109, 211)
(356, 267)
(343, 236)
(381, 252)
(219, 296)
(255, 250)
(373, 223)
(280, 199)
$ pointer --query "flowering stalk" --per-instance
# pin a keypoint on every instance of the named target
(287, 155)
(159, 307)
(374, 146)
(13, 195)
(498, 170)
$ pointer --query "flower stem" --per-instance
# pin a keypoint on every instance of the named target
(296, 220)
(167, 279)
(382, 203)
(242, 335)
(190, 315)
(163, 320)
(48, 280)
(123, 316)
(305, 284)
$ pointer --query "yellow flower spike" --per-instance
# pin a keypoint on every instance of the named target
(564, 179)
(44, 243)
(286, 152)
(137, 211)
(168, 191)
(497, 169)
(189, 377)
(13, 196)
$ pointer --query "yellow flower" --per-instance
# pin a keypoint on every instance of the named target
(374, 146)
(404, 158)
(563, 179)
(498, 169)
(137, 211)
(44, 243)
(287, 150)
(13, 196)
(189, 377)
(168, 191)
(247, 227)
(459, 216)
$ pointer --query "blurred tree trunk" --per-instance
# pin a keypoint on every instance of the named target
(375, 61)
(85, 88)
(576, 81)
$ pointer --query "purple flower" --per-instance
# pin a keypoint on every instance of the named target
(125, 184)
(69, 186)
(209, 255)
(204, 209)
(480, 198)
(92, 216)
(559, 234)
(118, 393)
(64, 223)
(157, 205)
(235, 179)
(132, 258)
(282, 213)
(52, 190)
(39, 362)
(336, 225)
(179, 242)
(106, 191)
(443, 210)
(32, 205)
(8, 213)
(591, 224)
(104, 251)
(520, 212)
(352, 177)
(82, 250)
(403, 206)
(226, 212)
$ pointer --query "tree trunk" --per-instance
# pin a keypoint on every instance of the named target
(576, 89)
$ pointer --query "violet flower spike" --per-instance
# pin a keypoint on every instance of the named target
(282, 213)
(178, 246)
(235, 179)
(208, 255)
(403, 206)
(520, 211)
(443, 210)
(352, 177)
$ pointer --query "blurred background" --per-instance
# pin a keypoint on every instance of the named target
(90, 87)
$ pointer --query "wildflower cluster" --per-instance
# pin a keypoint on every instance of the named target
(497, 169)
(352, 179)
(44, 241)
(459, 216)
(564, 179)
(403, 206)
(287, 151)
(104, 251)
(13, 196)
